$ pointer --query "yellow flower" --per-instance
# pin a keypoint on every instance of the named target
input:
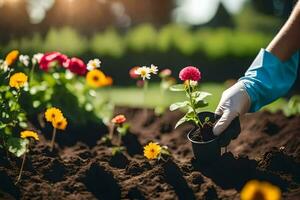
(255, 190)
(18, 80)
(11, 57)
(53, 113)
(152, 150)
(96, 78)
(28, 134)
(60, 123)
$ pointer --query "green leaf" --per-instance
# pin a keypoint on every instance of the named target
(17, 146)
(178, 105)
(185, 118)
(200, 104)
(200, 96)
(177, 88)
(116, 150)
(123, 129)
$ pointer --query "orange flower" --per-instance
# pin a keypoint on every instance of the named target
(108, 81)
(60, 123)
(11, 57)
(256, 190)
(119, 119)
(96, 78)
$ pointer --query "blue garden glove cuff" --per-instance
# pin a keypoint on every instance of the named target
(268, 78)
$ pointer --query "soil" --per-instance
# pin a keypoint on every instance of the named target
(203, 134)
(268, 148)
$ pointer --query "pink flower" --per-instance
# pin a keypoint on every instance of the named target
(76, 66)
(49, 58)
(132, 73)
(165, 73)
(190, 73)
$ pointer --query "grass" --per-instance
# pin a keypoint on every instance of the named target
(133, 96)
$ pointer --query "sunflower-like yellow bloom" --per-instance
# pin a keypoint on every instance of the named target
(96, 78)
(53, 113)
(255, 190)
(18, 80)
(152, 150)
(11, 57)
(30, 134)
(60, 123)
(108, 81)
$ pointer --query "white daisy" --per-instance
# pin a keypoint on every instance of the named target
(93, 64)
(144, 72)
(36, 58)
(3, 66)
(153, 69)
(24, 59)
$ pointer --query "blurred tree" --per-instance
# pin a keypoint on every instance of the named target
(86, 16)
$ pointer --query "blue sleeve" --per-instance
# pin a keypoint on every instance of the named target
(268, 78)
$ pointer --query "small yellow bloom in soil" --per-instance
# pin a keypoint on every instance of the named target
(96, 78)
(152, 150)
(11, 57)
(30, 134)
(53, 113)
(60, 123)
(18, 80)
(144, 72)
(255, 190)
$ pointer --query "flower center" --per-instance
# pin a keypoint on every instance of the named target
(258, 195)
(95, 78)
(143, 73)
(152, 150)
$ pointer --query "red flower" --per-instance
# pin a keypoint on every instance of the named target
(76, 66)
(190, 73)
(49, 58)
(132, 73)
(119, 119)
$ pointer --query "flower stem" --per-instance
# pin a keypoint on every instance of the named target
(111, 131)
(31, 73)
(22, 166)
(53, 138)
(145, 88)
(199, 123)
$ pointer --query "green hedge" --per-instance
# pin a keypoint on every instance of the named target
(211, 43)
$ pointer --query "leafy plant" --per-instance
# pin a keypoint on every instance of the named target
(293, 106)
(12, 116)
(196, 99)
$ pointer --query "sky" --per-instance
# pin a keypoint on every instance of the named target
(202, 11)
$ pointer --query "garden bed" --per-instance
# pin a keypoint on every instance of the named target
(268, 148)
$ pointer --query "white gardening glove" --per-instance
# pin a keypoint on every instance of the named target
(235, 102)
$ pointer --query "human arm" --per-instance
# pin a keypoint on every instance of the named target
(269, 77)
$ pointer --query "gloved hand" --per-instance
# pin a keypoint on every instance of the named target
(235, 101)
(267, 79)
